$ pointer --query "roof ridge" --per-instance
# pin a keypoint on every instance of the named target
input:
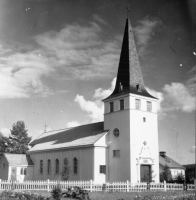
(72, 127)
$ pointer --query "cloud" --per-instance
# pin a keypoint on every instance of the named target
(72, 124)
(98, 19)
(144, 32)
(80, 51)
(5, 131)
(158, 95)
(75, 52)
(95, 108)
(177, 96)
(20, 74)
(101, 93)
(95, 112)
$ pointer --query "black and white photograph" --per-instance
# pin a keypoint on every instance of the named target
(97, 99)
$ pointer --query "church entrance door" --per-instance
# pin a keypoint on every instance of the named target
(145, 173)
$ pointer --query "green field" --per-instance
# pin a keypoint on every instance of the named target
(174, 195)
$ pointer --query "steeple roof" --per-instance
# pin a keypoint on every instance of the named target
(129, 77)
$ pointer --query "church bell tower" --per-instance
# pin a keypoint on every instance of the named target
(130, 115)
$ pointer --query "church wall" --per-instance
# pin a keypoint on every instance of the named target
(85, 163)
(118, 167)
(141, 131)
(99, 159)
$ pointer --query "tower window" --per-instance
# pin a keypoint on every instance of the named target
(116, 153)
(149, 106)
(102, 169)
(116, 132)
(122, 104)
(111, 106)
(144, 119)
(137, 104)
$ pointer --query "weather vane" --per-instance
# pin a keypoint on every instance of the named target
(128, 10)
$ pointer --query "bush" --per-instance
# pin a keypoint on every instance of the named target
(9, 194)
(76, 193)
(56, 192)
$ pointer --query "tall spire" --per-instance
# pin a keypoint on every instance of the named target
(129, 77)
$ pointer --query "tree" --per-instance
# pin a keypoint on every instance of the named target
(165, 175)
(5, 144)
(18, 140)
(65, 171)
(180, 178)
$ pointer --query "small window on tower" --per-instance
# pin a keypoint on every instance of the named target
(102, 169)
(122, 104)
(116, 132)
(149, 106)
(137, 104)
(144, 119)
(116, 153)
(111, 106)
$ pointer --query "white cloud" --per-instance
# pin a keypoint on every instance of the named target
(95, 111)
(95, 108)
(144, 32)
(5, 131)
(72, 124)
(101, 93)
(21, 74)
(158, 95)
(178, 96)
(74, 52)
(80, 51)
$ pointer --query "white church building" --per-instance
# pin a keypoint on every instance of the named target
(122, 147)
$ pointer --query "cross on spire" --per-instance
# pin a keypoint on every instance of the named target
(128, 10)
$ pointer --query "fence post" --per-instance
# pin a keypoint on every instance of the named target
(127, 186)
(91, 185)
(165, 186)
(48, 181)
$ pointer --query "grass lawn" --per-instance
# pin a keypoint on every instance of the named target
(129, 195)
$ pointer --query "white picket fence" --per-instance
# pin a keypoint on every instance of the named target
(93, 187)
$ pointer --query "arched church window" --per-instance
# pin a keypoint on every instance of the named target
(75, 165)
(57, 166)
(41, 166)
(49, 166)
(116, 132)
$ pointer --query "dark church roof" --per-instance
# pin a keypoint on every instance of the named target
(129, 77)
(84, 135)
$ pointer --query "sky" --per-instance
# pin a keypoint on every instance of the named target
(59, 59)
